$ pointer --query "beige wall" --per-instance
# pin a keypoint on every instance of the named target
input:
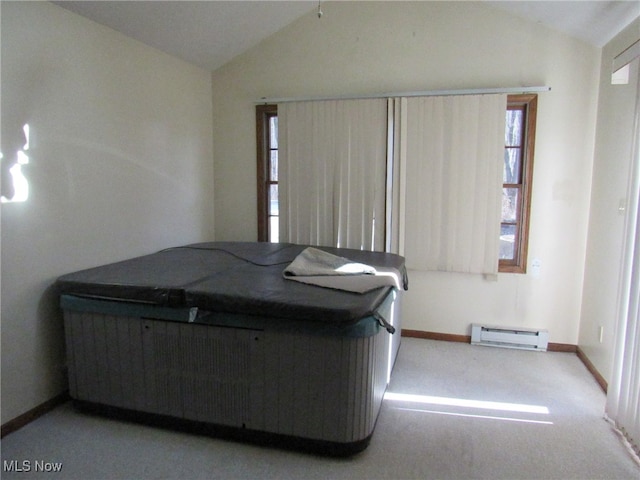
(120, 158)
(362, 48)
(120, 165)
(606, 226)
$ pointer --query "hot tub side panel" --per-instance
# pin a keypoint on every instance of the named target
(293, 383)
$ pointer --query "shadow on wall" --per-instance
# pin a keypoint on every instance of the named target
(49, 338)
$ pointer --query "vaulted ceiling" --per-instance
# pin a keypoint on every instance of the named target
(210, 33)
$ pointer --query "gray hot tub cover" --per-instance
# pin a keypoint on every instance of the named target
(234, 277)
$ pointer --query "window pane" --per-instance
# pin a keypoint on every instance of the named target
(274, 232)
(507, 242)
(273, 166)
(510, 204)
(273, 132)
(273, 199)
(513, 130)
(511, 172)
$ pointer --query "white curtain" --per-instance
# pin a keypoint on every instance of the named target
(332, 172)
(452, 160)
(623, 393)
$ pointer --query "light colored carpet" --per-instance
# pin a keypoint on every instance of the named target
(476, 412)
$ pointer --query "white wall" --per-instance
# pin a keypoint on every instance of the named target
(362, 47)
(121, 164)
(610, 181)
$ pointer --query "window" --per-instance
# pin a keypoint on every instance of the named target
(517, 176)
(267, 143)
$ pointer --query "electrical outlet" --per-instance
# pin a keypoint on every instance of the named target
(535, 267)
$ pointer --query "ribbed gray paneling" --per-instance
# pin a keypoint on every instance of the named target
(318, 387)
(201, 371)
(105, 358)
(188, 371)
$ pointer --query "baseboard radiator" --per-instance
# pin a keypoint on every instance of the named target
(508, 337)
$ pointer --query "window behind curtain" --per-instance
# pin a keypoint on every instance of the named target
(332, 166)
(267, 145)
(519, 139)
(453, 168)
(517, 182)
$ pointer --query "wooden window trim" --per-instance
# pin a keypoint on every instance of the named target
(519, 263)
(263, 114)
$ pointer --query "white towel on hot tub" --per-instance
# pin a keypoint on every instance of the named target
(317, 267)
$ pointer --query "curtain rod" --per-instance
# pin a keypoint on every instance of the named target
(426, 93)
